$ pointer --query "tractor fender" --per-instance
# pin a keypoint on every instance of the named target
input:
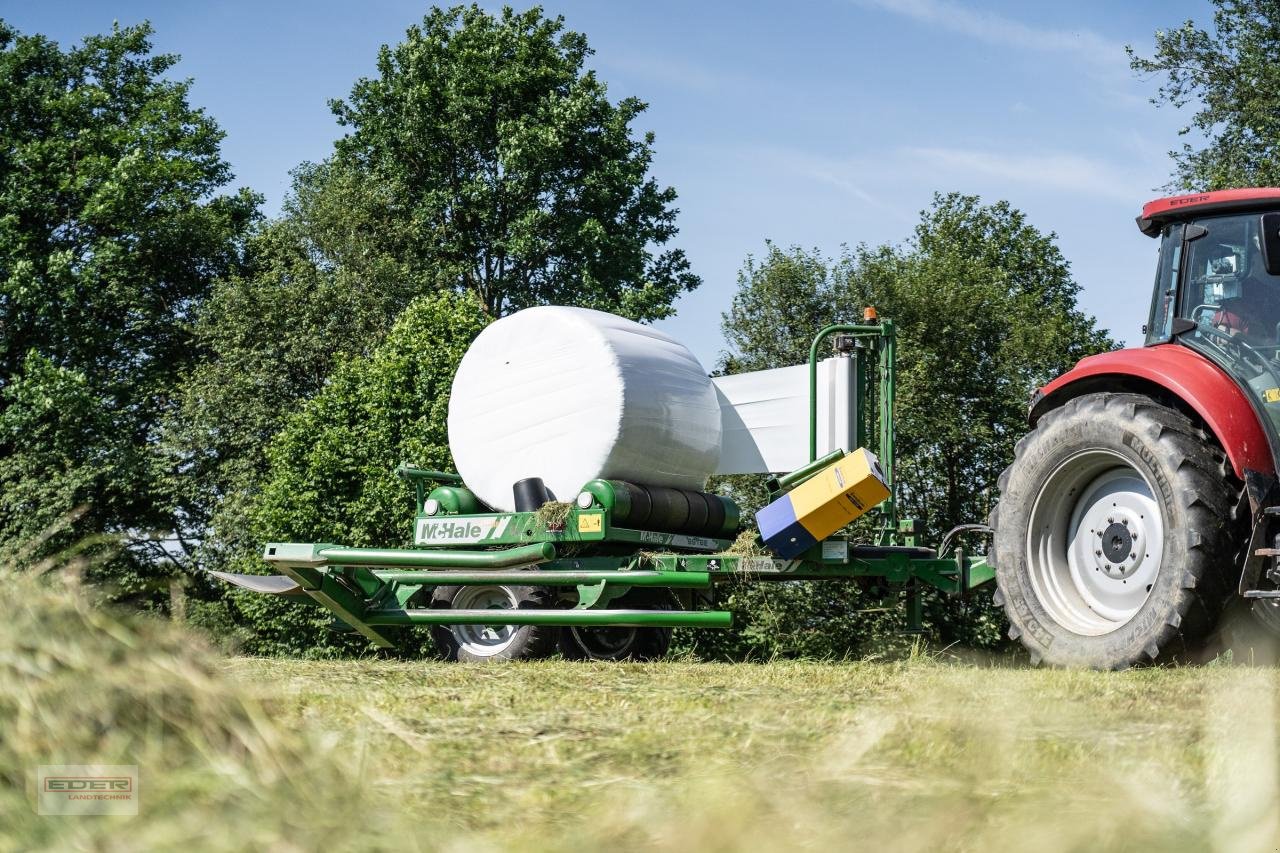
(1178, 371)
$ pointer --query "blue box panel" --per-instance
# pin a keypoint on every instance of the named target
(780, 530)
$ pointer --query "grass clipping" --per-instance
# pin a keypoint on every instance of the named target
(553, 514)
(748, 545)
(83, 684)
(916, 756)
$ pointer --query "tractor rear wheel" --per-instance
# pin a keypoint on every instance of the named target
(1114, 542)
(478, 643)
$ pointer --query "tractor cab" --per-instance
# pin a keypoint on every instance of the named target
(1217, 287)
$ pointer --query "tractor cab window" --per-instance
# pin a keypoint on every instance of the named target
(1230, 304)
(1227, 287)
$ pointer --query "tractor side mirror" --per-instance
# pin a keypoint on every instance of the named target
(1270, 228)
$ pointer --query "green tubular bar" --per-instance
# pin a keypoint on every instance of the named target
(408, 472)
(800, 474)
(847, 328)
(573, 618)
(886, 353)
(419, 477)
(547, 577)
(398, 558)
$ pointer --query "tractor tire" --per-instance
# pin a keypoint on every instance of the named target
(1115, 541)
(482, 643)
(622, 643)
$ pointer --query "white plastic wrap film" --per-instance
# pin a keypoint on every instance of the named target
(571, 394)
(766, 416)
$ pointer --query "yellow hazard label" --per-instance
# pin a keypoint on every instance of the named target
(590, 523)
(1271, 395)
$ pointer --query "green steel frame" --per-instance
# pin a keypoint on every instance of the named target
(875, 343)
(590, 561)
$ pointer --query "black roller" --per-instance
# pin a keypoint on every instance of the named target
(641, 506)
(530, 494)
(699, 512)
(715, 514)
(670, 509)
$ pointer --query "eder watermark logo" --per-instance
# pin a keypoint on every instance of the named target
(87, 789)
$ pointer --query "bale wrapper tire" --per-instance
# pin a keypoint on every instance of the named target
(481, 643)
(622, 643)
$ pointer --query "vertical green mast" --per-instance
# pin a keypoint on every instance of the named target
(879, 341)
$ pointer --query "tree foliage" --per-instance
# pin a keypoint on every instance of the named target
(1230, 75)
(482, 159)
(522, 181)
(110, 236)
(54, 427)
(331, 467)
(985, 308)
(319, 287)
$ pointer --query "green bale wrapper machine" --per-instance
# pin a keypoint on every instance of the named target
(608, 574)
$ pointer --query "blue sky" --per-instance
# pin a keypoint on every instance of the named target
(817, 123)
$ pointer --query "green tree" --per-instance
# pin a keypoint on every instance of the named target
(331, 467)
(986, 311)
(110, 236)
(483, 159)
(54, 427)
(523, 182)
(1231, 76)
(318, 288)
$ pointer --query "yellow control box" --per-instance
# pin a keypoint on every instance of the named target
(823, 504)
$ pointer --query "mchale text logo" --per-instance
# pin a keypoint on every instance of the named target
(87, 789)
(452, 530)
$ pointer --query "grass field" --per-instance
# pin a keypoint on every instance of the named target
(923, 754)
(919, 755)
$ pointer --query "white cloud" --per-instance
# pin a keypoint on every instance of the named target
(1050, 170)
(849, 176)
(678, 73)
(1000, 30)
(870, 177)
(1101, 58)
(831, 171)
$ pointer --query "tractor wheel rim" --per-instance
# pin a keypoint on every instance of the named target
(605, 643)
(1095, 543)
(484, 640)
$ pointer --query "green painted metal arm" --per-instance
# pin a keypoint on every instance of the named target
(310, 557)
(813, 374)
(799, 475)
(886, 353)
(408, 472)
(545, 577)
(520, 556)
(887, 394)
(419, 477)
(603, 618)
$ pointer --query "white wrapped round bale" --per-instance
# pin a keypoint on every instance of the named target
(571, 394)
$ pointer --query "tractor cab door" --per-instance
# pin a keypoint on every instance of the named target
(1213, 293)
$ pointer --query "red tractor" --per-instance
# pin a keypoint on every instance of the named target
(1144, 501)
